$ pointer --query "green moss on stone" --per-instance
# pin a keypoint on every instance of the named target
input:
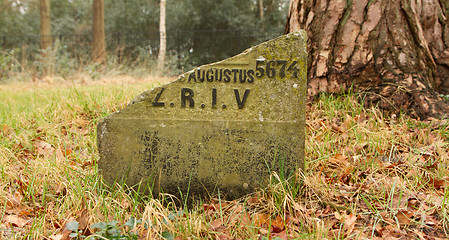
(171, 146)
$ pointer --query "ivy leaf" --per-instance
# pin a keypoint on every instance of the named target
(99, 225)
(167, 235)
(73, 235)
(72, 226)
(130, 223)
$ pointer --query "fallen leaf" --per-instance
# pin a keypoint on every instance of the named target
(125, 203)
(43, 148)
(338, 216)
(238, 208)
(222, 236)
(235, 214)
(263, 231)
(390, 231)
(215, 224)
(328, 209)
(439, 184)
(68, 152)
(15, 199)
(378, 229)
(428, 150)
(404, 217)
(413, 203)
(421, 235)
(253, 200)
(282, 235)
(430, 220)
(336, 128)
(65, 231)
(335, 233)
(208, 207)
(20, 210)
(386, 218)
(342, 159)
(430, 166)
(349, 221)
(56, 237)
(339, 161)
(83, 222)
(66, 234)
(277, 225)
(60, 190)
(5, 130)
(245, 219)
(15, 221)
(261, 219)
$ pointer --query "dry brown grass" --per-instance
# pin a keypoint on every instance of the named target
(368, 176)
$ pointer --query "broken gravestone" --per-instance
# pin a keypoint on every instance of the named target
(224, 127)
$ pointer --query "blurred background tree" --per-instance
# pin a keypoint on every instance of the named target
(198, 31)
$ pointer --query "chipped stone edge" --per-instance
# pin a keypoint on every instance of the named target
(141, 97)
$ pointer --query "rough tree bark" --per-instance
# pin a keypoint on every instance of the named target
(395, 51)
(45, 29)
(163, 39)
(98, 40)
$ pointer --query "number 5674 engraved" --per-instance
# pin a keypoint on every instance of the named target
(276, 68)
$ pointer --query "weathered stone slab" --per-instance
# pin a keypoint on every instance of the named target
(226, 125)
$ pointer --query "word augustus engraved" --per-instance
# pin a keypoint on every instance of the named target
(273, 69)
(226, 125)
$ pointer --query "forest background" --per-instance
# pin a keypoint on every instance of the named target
(198, 32)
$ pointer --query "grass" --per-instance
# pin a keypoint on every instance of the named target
(368, 175)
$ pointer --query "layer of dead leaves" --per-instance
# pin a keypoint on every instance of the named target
(23, 197)
(388, 179)
(368, 178)
(234, 220)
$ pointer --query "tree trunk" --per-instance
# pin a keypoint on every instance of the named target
(395, 51)
(98, 41)
(6, 5)
(163, 39)
(261, 9)
(45, 30)
(270, 7)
